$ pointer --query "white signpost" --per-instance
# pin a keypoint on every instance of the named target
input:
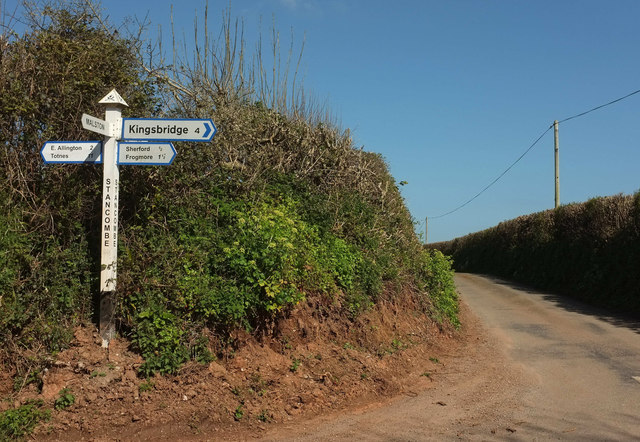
(71, 152)
(134, 149)
(110, 192)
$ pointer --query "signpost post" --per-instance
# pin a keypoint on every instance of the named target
(126, 142)
(109, 236)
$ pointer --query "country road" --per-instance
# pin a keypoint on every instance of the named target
(586, 362)
(535, 366)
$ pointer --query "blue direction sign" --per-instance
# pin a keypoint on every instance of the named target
(72, 152)
(145, 154)
(159, 129)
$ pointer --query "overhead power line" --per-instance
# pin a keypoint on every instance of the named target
(495, 180)
(527, 151)
(599, 107)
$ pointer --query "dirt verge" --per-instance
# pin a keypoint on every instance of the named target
(318, 363)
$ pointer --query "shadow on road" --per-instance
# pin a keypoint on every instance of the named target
(573, 305)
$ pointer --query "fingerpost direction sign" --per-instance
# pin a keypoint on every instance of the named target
(97, 125)
(134, 141)
(71, 152)
(161, 129)
(142, 153)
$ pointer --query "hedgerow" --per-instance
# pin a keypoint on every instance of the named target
(280, 207)
(588, 250)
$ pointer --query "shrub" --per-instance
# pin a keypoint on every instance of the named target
(439, 284)
(588, 250)
(160, 339)
(19, 422)
(281, 205)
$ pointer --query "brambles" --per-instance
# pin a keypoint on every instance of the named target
(281, 207)
(19, 422)
(160, 338)
(438, 282)
(64, 400)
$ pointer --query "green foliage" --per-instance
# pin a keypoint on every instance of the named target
(438, 281)
(264, 416)
(146, 386)
(200, 351)
(239, 412)
(64, 400)
(398, 345)
(295, 364)
(96, 373)
(43, 282)
(160, 339)
(18, 422)
(33, 376)
(277, 209)
(49, 215)
(244, 260)
(589, 251)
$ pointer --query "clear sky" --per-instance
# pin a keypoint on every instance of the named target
(452, 92)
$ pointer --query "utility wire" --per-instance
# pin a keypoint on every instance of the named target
(527, 151)
(599, 107)
(496, 180)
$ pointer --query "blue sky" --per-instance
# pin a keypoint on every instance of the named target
(452, 92)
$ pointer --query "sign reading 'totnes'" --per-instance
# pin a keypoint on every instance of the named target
(161, 129)
(72, 152)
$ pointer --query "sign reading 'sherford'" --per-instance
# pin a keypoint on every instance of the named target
(126, 141)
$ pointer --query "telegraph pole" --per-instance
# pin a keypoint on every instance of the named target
(426, 230)
(557, 161)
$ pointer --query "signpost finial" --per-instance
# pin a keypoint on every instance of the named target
(113, 97)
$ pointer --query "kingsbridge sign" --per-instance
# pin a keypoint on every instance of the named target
(145, 129)
(127, 141)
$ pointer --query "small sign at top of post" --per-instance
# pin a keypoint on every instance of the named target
(97, 125)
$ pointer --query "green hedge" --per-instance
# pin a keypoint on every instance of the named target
(590, 251)
(276, 209)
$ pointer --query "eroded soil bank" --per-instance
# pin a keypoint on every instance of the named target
(315, 365)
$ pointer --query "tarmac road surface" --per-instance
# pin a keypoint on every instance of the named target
(536, 367)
